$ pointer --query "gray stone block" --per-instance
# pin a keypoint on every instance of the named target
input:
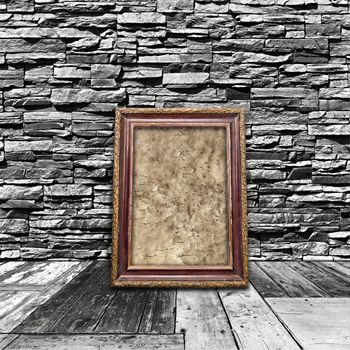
(28, 144)
(14, 226)
(10, 78)
(23, 46)
(67, 191)
(66, 71)
(190, 78)
(84, 44)
(343, 251)
(67, 96)
(329, 129)
(129, 18)
(302, 44)
(175, 5)
(211, 7)
(8, 192)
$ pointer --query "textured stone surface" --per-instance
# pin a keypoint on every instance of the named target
(66, 65)
(141, 18)
(175, 5)
(185, 78)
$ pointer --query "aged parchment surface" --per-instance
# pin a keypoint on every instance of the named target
(179, 196)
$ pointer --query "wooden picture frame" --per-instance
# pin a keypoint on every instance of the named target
(140, 134)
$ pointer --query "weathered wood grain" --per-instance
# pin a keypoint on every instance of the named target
(98, 342)
(294, 284)
(15, 306)
(47, 314)
(344, 263)
(7, 266)
(263, 283)
(6, 339)
(253, 323)
(65, 278)
(39, 273)
(339, 271)
(318, 324)
(201, 317)
(48, 287)
(124, 312)
(321, 278)
(23, 287)
(51, 284)
(12, 267)
(159, 313)
(69, 274)
(83, 315)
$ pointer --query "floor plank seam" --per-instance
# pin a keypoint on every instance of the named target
(175, 311)
(278, 284)
(268, 287)
(328, 272)
(62, 278)
(18, 269)
(86, 286)
(308, 280)
(284, 325)
(104, 312)
(53, 324)
(90, 266)
(317, 285)
(328, 275)
(144, 310)
(288, 293)
(234, 335)
(7, 345)
(64, 275)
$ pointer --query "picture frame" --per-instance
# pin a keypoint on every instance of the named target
(188, 166)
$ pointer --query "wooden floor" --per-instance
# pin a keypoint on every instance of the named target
(70, 305)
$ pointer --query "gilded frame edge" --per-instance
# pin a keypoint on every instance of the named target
(244, 282)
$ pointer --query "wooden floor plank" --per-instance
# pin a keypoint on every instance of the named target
(51, 285)
(293, 283)
(318, 276)
(317, 323)
(71, 273)
(344, 263)
(336, 269)
(147, 317)
(255, 326)
(51, 289)
(40, 273)
(15, 306)
(124, 313)
(45, 316)
(201, 317)
(263, 283)
(23, 287)
(12, 267)
(83, 315)
(7, 266)
(6, 339)
(159, 316)
(98, 342)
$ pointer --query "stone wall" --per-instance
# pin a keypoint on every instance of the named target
(66, 64)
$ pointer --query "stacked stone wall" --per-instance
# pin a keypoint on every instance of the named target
(65, 65)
